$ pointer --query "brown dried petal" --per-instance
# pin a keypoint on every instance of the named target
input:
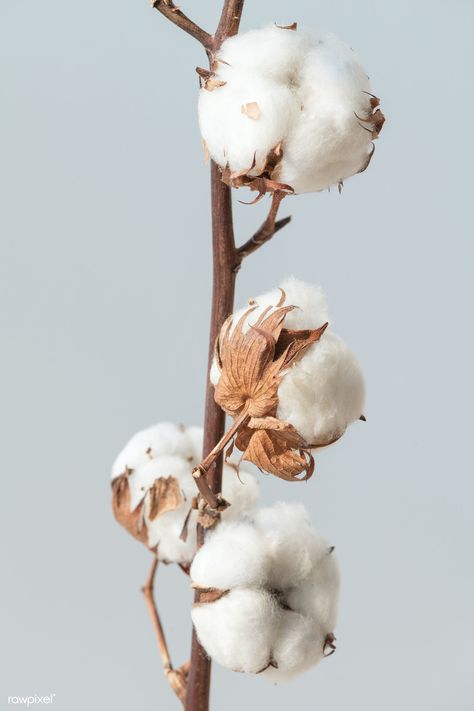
(165, 495)
(132, 521)
(212, 84)
(269, 451)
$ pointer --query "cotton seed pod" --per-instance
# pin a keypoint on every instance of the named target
(290, 384)
(154, 495)
(287, 110)
(269, 590)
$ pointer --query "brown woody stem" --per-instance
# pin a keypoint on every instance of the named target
(175, 677)
(174, 14)
(224, 261)
(266, 230)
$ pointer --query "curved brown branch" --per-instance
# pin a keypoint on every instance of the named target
(176, 677)
(174, 14)
(265, 232)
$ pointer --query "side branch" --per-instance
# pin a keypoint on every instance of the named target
(174, 14)
(177, 678)
(265, 232)
(229, 21)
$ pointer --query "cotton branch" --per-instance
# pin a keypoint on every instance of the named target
(177, 678)
(174, 14)
(265, 232)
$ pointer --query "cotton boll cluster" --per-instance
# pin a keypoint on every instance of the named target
(270, 588)
(322, 392)
(153, 489)
(305, 94)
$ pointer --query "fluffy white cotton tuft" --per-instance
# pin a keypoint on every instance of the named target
(307, 92)
(279, 582)
(235, 554)
(167, 450)
(164, 438)
(323, 392)
(239, 630)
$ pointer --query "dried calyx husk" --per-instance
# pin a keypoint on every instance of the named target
(154, 494)
(288, 381)
(252, 365)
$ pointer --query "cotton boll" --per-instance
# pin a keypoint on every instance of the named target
(308, 93)
(164, 438)
(233, 555)
(323, 392)
(239, 630)
(277, 583)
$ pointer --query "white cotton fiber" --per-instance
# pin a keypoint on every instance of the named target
(298, 647)
(292, 546)
(323, 392)
(164, 438)
(308, 90)
(280, 584)
(235, 554)
(239, 630)
(196, 435)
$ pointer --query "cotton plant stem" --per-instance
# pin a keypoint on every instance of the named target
(224, 274)
(175, 677)
(197, 697)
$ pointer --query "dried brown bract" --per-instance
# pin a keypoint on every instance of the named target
(375, 121)
(262, 179)
(164, 495)
(133, 521)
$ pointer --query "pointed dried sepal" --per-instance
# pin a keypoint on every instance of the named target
(132, 521)
(293, 26)
(262, 179)
(165, 495)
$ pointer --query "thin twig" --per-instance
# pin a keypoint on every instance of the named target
(177, 678)
(214, 499)
(265, 232)
(174, 14)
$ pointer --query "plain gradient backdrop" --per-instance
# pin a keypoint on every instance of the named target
(105, 278)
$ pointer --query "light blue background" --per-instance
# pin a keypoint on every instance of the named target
(105, 278)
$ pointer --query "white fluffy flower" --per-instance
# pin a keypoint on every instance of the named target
(166, 450)
(323, 392)
(308, 93)
(271, 586)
